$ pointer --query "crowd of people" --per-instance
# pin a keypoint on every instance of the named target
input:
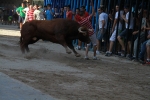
(122, 31)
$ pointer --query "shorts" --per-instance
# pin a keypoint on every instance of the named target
(148, 42)
(101, 35)
(21, 19)
(15, 17)
(113, 36)
(126, 33)
(93, 39)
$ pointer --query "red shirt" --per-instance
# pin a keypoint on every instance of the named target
(86, 22)
(30, 15)
(69, 15)
(86, 14)
(77, 17)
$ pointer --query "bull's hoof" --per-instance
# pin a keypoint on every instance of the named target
(77, 55)
(69, 52)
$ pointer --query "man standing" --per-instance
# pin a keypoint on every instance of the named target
(38, 14)
(49, 13)
(85, 21)
(126, 31)
(69, 13)
(114, 30)
(103, 18)
(26, 11)
(21, 14)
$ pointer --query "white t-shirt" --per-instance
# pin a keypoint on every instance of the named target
(103, 16)
(26, 10)
(38, 14)
(41, 13)
(131, 21)
(116, 17)
(143, 22)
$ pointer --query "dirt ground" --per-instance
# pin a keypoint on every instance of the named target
(48, 68)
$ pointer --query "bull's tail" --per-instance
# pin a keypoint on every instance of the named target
(21, 40)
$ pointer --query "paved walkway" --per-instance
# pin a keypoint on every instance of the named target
(11, 89)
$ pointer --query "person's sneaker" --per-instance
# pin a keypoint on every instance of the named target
(141, 60)
(122, 53)
(108, 54)
(119, 53)
(97, 52)
(86, 58)
(147, 61)
(128, 56)
(94, 58)
(78, 48)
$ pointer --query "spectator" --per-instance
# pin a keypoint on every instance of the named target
(56, 13)
(114, 30)
(41, 12)
(65, 10)
(103, 18)
(69, 13)
(142, 33)
(145, 48)
(15, 16)
(77, 18)
(45, 8)
(30, 15)
(26, 11)
(38, 14)
(61, 13)
(21, 14)
(126, 33)
(49, 13)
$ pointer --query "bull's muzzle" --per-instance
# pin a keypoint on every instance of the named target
(83, 32)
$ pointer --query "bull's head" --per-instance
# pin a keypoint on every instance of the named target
(83, 34)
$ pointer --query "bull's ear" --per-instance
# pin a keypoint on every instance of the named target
(83, 32)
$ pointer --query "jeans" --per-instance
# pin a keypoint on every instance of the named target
(142, 38)
(143, 50)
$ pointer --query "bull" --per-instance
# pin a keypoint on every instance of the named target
(60, 31)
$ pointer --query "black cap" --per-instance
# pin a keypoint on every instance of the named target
(68, 6)
(82, 7)
(127, 6)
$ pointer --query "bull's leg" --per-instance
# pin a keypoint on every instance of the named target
(70, 45)
(62, 41)
(21, 45)
(27, 48)
(22, 48)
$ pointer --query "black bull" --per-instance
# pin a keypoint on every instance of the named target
(61, 31)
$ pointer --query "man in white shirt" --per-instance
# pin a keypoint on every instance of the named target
(38, 13)
(26, 11)
(103, 19)
(126, 33)
(114, 29)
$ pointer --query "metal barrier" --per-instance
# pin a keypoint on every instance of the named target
(109, 5)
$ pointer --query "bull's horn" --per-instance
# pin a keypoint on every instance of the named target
(84, 33)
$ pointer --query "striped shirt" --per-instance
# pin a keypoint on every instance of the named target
(30, 15)
(86, 22)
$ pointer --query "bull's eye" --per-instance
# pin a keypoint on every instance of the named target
(34, 38)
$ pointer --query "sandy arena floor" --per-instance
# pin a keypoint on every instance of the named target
(48, 68)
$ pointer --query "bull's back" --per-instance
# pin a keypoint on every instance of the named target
(55, 25)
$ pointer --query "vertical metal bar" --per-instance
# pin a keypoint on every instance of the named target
(148, 12)
(87, 5)
(134, 26)
(141, 16)
(128, 27)
(108, 25)
(116, 42)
